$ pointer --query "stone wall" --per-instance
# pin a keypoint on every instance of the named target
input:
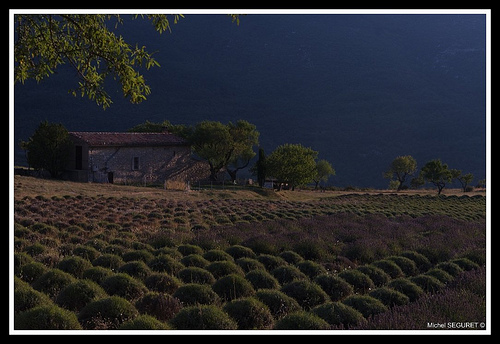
(136, 165)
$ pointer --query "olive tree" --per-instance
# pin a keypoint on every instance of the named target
(401, 168)
(88, 43)
(323, 171)
(437, 173)
(49, 148)
(292, 164)
(225, 147)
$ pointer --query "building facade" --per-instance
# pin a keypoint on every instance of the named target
(129, 158)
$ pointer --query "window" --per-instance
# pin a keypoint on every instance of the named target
(135, 163)
(78, 157)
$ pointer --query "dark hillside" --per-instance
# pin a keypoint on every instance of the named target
(360, 89)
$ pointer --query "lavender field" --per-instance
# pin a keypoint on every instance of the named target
(340, 262)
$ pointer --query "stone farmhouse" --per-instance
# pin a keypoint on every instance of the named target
(132, 158)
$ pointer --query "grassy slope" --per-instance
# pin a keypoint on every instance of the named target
(29, 186)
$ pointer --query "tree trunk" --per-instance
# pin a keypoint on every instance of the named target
(232, 174)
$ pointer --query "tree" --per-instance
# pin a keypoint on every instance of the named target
(437, 173)
(221, 145)
(292, 164)
(49, 148)
(87, 43)
(401, 168)
(245, 136)
(181, 130)
(259, 169)
(463, 179)
(323, 171)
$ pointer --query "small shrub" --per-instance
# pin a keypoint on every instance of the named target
(248, 264)
(124, 285)
(107, 313)
(165, 263)
(365, 304)
(142, 255)
(440, 274)
(465, 263)
(144, 322)
(390, 267)
(31, 271)
(278, 302)
(44, 229)
(217, 255)
(358, 252)
(169, 251)
(301, 320)
(160, 305)
(203, 317)
(249, 313)
(162, 283)
(114, 249)
(21, 259)
(291, 257)
(52, 281)
(194, 294)
(271, 262)
(478, 256)
(25, 297)
(108, 260)
(389, 296)
(310, 249)
(36, 249)
(287, 273)
(406, 287)
(377, 275)
(86, 252)
(194, 260)
(47, 317)
(335, 287)
(187, 249)
(337, 313)
(408, 266)
(310, 268)
(307, 294)
(428, 283)
(238, 251)
(422, 262)
(451, 268)
(97, 274)
(223, 268)
(194, 274)
(74, 265)
(136, 268)
(233, 286)
(76, 295)
(359, 281)
(261, 279)
(261, 243)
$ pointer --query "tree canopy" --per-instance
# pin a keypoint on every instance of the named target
(49, 147)
(401, 168)
(323, 171)
(293, 164)
(225, 147)
(437, 173)
(87, 43)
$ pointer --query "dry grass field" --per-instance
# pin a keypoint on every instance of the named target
(30, 186)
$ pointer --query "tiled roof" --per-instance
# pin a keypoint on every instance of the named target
(128, 139)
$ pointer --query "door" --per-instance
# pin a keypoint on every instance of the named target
(110, 177)
(78, 157)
